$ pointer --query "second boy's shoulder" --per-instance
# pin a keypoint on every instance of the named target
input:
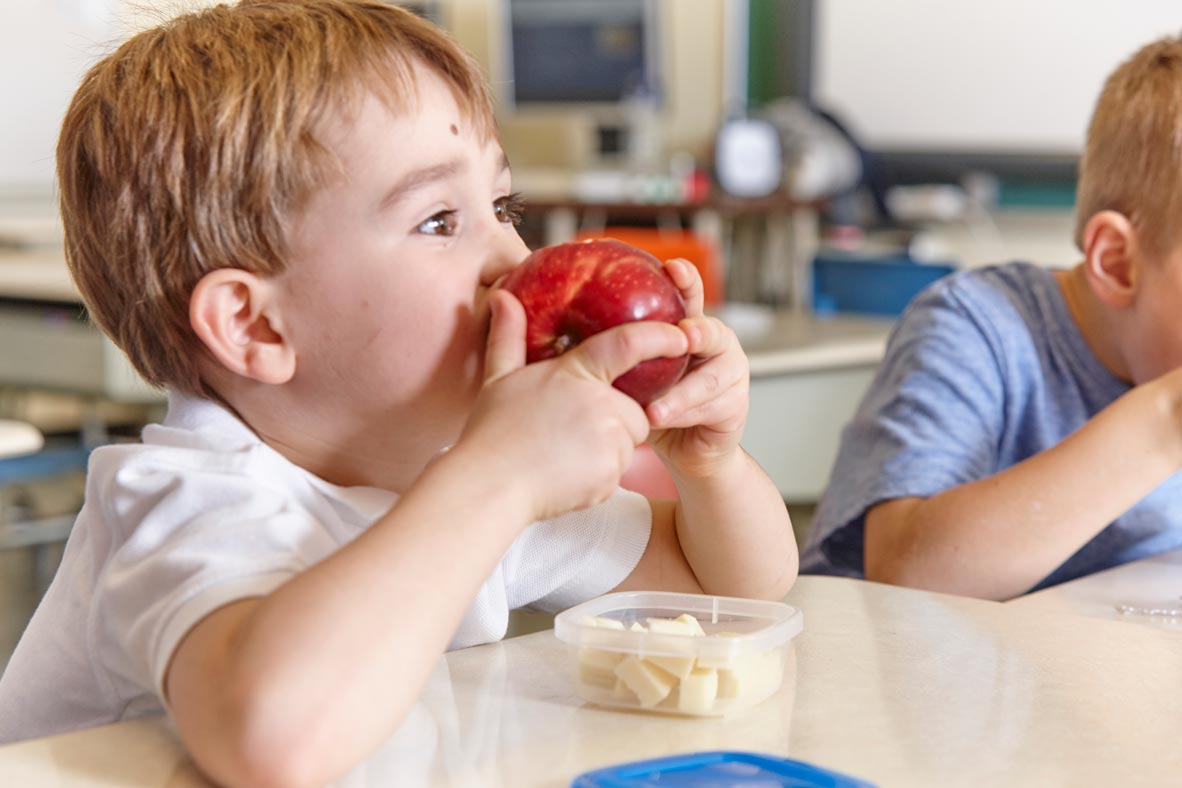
(995, 305)
(1010, 286)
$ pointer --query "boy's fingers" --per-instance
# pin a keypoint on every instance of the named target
(708, 336)
(688, 279)
(611, 353)
(702, 387)
(505, 350)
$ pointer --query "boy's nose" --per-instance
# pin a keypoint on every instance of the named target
(509, 252)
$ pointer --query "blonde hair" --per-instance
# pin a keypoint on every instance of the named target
(190, 147)
(1132, 162)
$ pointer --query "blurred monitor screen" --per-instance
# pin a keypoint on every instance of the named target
(581, 52)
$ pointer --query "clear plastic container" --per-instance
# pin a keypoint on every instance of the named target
(690, 654)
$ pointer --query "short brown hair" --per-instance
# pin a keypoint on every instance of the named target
(189, 148)
(1132, 162)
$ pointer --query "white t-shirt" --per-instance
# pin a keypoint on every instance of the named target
(202, 513)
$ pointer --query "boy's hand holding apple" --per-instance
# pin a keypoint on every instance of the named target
(697, 425)
(562, 437)
(573, 291)
(576, 296)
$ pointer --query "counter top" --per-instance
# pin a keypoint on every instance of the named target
(896, 686)
(36, 275)
(779, 341)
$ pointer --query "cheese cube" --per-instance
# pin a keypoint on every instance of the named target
(691, 623)
(599, 659)
(597, 667)
(678, 666)
(750, 675)
(732, 683)
(719, 662)
(675, 653)
(649, 682)
(724, 662)
(698, 691)
(675, 626)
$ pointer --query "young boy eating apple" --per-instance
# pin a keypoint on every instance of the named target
(293, 216)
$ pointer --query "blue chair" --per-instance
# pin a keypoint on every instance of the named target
(18, 529)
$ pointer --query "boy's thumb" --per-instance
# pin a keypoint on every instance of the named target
(505, 350)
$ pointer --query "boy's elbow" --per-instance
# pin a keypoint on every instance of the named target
(259, 743)
(779, 582)
(882, 565)
(270, 762)
(887, 569)
(784, 584)
(895, 563)
(889, 553)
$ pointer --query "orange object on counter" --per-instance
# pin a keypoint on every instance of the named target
(668, 244)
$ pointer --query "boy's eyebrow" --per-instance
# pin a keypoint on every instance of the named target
(416, 179)
(421, 177)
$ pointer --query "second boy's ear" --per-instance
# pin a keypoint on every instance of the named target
(1112, 257)
(236, 315)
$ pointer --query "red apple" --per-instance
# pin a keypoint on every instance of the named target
(574, 290)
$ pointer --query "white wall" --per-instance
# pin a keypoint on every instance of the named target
(1002, 75)
(45, 47)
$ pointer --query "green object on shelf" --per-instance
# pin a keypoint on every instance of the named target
(1037, 195)
(763, 56)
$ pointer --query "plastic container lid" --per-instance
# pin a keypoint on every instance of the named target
(753, 625)
(723, 769)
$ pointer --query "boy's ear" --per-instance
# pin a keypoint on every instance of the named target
(1112, 257)
(236, 315)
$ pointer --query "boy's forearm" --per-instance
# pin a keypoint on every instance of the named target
(735, 531)
(392, 600)
(998, 537)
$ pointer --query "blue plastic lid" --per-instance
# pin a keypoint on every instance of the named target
(724, 769)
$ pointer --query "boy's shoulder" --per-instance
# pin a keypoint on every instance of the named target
(1009, 323)
(204, 455)
(200, 457)
(1005, 303)
(1020, 285)
(195, 437)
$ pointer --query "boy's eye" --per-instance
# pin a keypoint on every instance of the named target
(442, 223)
(510, 208)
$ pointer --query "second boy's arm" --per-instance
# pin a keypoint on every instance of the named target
(995, 538)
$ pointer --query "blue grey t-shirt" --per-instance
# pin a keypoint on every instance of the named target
(984, 369)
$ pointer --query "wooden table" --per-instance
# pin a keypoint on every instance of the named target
(896, 686)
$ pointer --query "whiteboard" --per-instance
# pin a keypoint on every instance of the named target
(1004, 76)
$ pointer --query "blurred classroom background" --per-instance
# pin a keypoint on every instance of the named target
(820, 160)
